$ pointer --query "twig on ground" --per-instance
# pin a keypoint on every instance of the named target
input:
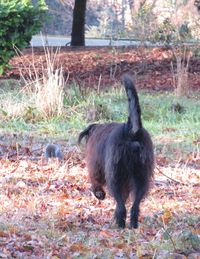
(178, 182)
(21, 153)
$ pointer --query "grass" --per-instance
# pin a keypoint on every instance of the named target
(171, 131)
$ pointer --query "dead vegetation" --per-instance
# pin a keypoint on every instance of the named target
(103, 67)
(48, 211)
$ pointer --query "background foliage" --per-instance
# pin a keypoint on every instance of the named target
(119, 18)
(19, 20)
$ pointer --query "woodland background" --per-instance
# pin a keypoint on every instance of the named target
(115, 18)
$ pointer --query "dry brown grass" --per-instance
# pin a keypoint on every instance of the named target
(182, 56)
(45, 86)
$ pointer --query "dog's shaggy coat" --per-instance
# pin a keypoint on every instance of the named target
(120, 155)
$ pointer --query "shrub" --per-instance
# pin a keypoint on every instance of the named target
(166, 32)
(19, 20)
(144, 23)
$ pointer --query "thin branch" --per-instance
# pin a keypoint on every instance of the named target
(170, 177)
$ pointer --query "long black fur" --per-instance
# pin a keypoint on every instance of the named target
(120, 155)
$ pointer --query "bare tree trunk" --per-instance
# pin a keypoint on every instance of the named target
(78, 25)
(131, 4)
(123, 13)
(138, 4)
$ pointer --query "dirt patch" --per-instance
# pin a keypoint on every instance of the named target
(103, 66)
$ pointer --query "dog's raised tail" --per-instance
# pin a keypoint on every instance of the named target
(134, 119)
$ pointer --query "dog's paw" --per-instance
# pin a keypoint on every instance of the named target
(121, 223)
(134, 225)
(100, 195)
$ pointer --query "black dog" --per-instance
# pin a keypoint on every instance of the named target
(120, 155)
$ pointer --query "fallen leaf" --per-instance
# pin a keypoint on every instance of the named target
(166, 217)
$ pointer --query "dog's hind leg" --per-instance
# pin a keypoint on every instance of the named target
(135, 209)
(120, 211)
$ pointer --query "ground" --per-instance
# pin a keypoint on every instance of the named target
(153, 68)
(47, 208)
(48, 211)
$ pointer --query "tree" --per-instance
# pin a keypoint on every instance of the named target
(78, 25)
(197, 4)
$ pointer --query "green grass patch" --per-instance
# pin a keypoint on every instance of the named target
(172, 131)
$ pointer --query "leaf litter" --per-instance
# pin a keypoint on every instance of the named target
(103, 66)
(48, 211)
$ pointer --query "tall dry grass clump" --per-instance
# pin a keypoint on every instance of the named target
(182, 56)
(49, 93)
(11, 108)
(46, 86)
